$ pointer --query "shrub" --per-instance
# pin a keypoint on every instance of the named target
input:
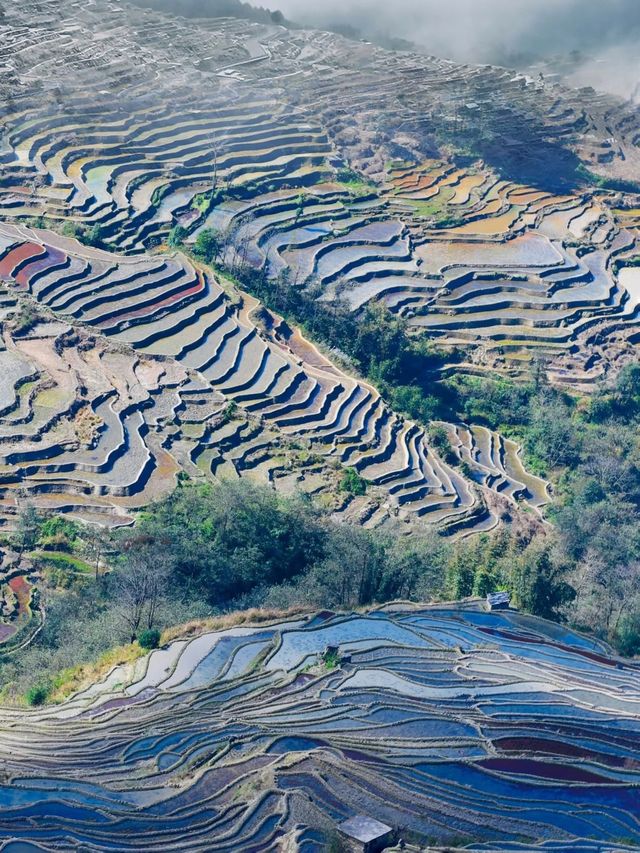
(466, 470)
(352, 482)
(25, 319)
(484, 582)
(94, 236)
(439, 437)
(207, 246)
(149, 638)
(627, 636)
(230, 411)
(331, 659)
(37, 695)
(58, 526)
(73, 229)
(57, 542)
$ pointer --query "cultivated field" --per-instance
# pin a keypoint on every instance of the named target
(498, 216)
(255, 131)
(455, 724)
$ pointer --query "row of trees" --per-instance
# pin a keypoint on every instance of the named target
(375, 340)
(233, 545)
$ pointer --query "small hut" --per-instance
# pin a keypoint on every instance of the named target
(498, 600)
(366, 834)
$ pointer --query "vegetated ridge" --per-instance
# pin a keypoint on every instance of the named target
(293, 323)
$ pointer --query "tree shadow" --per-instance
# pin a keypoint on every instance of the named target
(518, 148)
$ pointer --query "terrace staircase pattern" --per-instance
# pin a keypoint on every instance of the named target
(509, 272)
(247, 128)
(446, 721)
(313, 157)
(164, 308)
(254, 141)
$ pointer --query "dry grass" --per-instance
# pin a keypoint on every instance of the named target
(87, 425)
(80, 677)
(254, 616)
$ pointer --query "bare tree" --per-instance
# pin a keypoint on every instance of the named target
(605, 594)
(97, 544)
(624, 589)
(140, 586)
(26, 532)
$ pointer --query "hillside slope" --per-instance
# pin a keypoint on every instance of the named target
(449, 723)
(286, 144)
(517, 246)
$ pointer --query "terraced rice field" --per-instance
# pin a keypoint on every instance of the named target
(513, 272)
(108, 430)
(465, 257)
(247, 128)
(313, 158)
(451, 723)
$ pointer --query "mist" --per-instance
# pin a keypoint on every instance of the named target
(507, 32)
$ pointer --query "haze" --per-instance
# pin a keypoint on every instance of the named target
(500, 31)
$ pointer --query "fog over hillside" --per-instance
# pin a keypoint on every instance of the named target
(505, 32)
(500, 31)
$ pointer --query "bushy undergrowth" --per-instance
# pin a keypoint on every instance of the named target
(214, 549)
(149, 638)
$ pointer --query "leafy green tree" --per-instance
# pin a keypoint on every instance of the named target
(177, 236)
(352, 482)
(601, 408)
(207, 246)
(73, 230)
(492, 402)
(627, 638)
(380, 342)
(551, 436)
(57, 533)
(412, 400)
(27, 529)
(608, 527)
(460, 573)
(540, 584)
(224, 540)
(350, 573)
(484, 582)
(628, 386)
(95, 236)
(439, 437)
(413, 567)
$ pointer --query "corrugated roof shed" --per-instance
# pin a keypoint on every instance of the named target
(367, 831)
(498, 600)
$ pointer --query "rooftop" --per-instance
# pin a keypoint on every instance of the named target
(364, 828)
